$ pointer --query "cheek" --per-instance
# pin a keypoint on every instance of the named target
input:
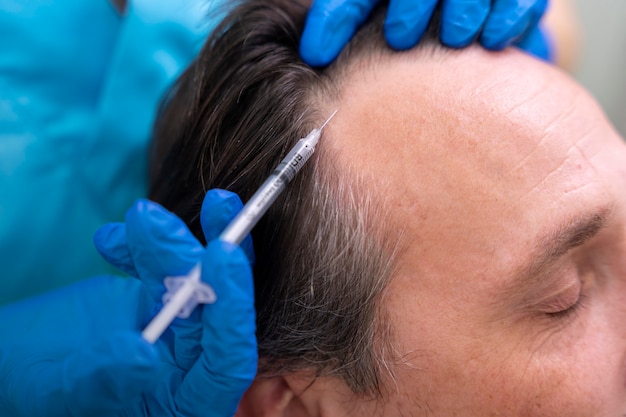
(509, 384)
(571, 381)
(568, 371)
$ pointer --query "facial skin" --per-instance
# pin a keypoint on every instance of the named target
(495, 166)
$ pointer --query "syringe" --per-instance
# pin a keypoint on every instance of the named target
(185, 293)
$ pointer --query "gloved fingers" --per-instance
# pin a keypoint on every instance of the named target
(537, 41)
(109, 376)
(509, 20)
(462, 20)
(151, 243)
(228, 361)
(406, 22)
(159, 242)
(162, 246)
(330, 25)
(110, 241)
(218, 209)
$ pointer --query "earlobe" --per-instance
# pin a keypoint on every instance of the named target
(271, 397)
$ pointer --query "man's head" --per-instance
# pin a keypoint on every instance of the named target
(322, 258)
(466, 213)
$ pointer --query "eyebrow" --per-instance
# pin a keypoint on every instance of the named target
(557, 242)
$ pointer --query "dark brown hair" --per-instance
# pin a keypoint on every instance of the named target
(323, 260)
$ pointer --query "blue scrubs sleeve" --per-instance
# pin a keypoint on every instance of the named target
(80, 86)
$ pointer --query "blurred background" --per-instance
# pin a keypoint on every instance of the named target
(601, 62)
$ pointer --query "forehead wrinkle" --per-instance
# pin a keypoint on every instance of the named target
(543, 89)
(542, 127)
(563, 163)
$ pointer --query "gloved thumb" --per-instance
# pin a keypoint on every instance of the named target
(110, 375)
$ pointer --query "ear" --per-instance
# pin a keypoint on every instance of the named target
(271, 397)
(299, 394)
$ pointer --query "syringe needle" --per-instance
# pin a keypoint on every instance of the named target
(328, 120)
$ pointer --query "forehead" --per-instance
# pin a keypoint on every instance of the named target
(471, 150)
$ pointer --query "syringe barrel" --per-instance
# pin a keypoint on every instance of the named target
(296, 158)
(269, 191)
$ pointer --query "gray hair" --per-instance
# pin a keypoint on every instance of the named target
(324, 251)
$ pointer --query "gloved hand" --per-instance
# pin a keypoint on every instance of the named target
(78, 351)
(497, 23)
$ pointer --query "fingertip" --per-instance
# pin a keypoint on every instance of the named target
(147, 221)
(497, 40)
(144, 210)
(457, 36)
(218, 196)
(461, 21)
(507, 24)
(330, 24)
(142, 205)
(219, 207)
(401, 37)
(109, 238)
(504, 26)
(315, 55)
(406, 23)
(318, 45)
(316, 49)
(111, 242)
(159, 241)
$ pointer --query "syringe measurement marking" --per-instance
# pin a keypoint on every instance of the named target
(283, 175)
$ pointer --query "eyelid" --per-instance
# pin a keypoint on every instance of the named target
(563, 300)
(567, 289)
(570, 311)
(563, 289)
(552, 290)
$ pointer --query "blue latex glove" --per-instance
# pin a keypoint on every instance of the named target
(497, 23)
(77, 351)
